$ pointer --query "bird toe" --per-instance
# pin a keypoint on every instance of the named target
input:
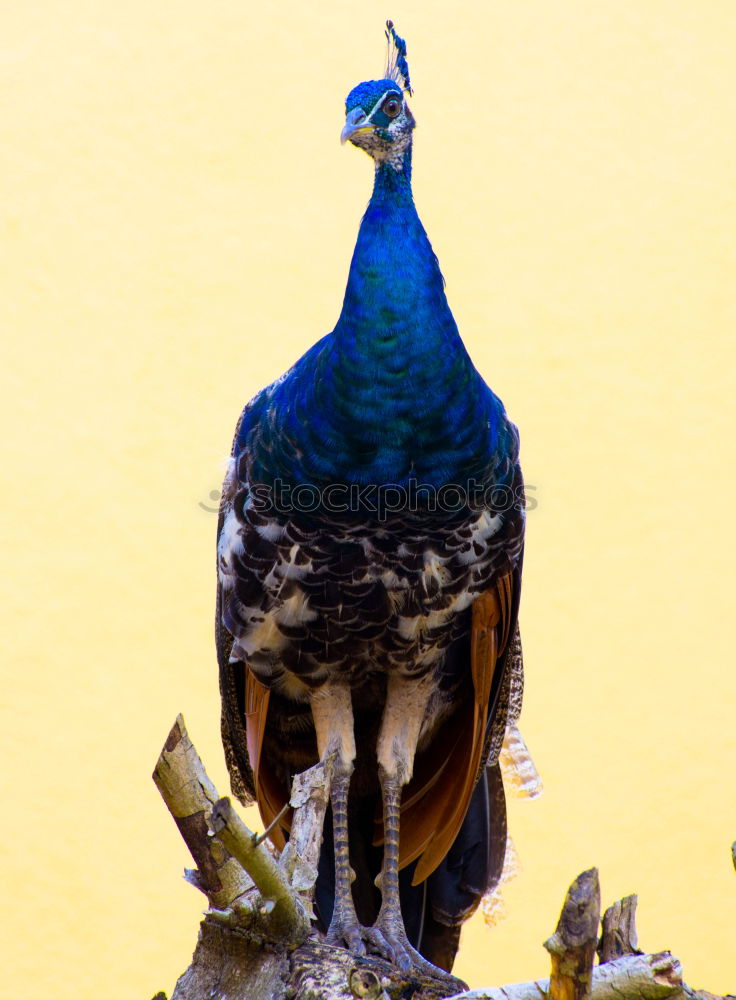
(380, 944)
(348, 934)
(392, 943)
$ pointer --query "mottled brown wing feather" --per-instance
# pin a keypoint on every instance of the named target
(270, 793)
(436, 800)
(453, 791)
(231, 719)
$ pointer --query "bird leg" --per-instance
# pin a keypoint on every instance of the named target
(403, 715)
(332, 710)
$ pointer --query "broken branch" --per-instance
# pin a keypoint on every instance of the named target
(637, 977)
(572, 946)
(287, 917)
(619, 936)
(190, 796)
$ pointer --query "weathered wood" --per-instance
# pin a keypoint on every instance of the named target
(190, 796)
(246, 945)
(230, 963)
(365, 985)
(634, 977)
(572, 946)
(284, 915)
(249, 942)
(638, 977)
(310, 793)
(233, 964)
(619, 936)
(320, 972)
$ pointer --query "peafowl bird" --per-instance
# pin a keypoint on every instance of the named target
(370, 546)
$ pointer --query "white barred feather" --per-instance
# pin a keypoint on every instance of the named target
(519, 771)
(492, 905)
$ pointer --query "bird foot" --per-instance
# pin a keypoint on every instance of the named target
(345, 931)
(388, 938)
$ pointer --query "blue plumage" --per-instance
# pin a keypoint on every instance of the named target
(391, 394)
(369, 562)
(397, 65)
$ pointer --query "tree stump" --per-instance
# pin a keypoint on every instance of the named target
(257, 941)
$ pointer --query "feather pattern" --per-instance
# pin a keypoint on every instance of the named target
(371, 528)
(397, 67)
(519, 769)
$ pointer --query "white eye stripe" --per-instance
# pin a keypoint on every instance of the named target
(378, 106)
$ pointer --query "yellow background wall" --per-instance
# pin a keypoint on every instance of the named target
(177, 222)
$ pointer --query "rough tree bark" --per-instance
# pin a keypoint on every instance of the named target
(572, 946)
(256, 941)
(619, 930)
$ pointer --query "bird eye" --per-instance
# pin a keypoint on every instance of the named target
(391, 106)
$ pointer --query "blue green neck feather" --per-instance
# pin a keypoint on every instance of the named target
(391, 395)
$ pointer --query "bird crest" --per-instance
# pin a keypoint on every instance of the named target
(397, 67)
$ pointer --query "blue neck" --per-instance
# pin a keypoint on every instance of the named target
(393, 266)
(395, 333)
(391, 395)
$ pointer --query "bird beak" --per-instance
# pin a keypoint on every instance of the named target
(354, 123)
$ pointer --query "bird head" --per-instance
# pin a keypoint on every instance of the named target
(377, 117)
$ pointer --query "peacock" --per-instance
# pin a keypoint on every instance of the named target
(370, 543)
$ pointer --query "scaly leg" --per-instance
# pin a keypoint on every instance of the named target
(406, 703)
(332, 710)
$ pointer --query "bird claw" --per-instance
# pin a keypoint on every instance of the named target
(359, 940)
(346, 932)
(389, 943)
(382, 946)
(389, 939)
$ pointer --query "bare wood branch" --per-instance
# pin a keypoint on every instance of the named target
(647, 976)
(231, 963)
(619, 936)
(365, 985)
(321, 972)
(190, 796)
(310, 793)
(286, 916)
(572, 946)
(635, 977)
(246, 947)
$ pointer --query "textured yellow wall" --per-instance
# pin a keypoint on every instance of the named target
(177, 221)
